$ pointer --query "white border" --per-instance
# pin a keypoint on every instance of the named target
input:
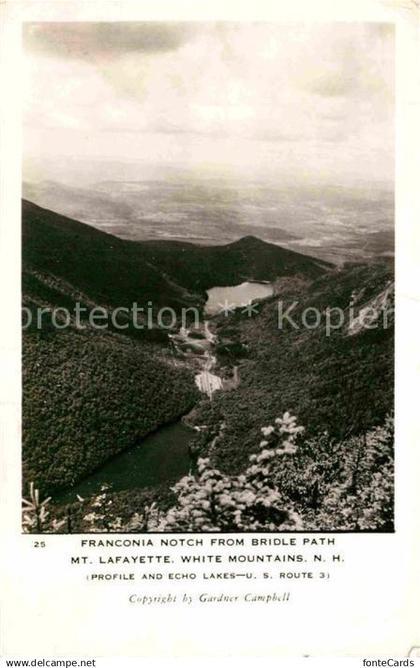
(371, 609)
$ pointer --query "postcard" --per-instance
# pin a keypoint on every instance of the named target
(210, 263)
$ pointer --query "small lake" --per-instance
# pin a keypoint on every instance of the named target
(161, 456)
(236, 295)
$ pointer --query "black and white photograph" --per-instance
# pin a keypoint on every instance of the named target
(208, 277)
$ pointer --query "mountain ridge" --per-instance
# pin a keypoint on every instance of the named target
(168, 273)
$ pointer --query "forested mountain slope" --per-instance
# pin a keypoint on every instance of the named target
(109, 270)
(201, 267)
(341, 383)
(88, 395)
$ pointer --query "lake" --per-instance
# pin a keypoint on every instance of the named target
(161, 456)
(236, 295)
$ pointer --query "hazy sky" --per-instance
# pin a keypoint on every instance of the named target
(289, 100)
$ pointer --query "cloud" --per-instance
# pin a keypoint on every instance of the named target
(297, 96)
(86, 41)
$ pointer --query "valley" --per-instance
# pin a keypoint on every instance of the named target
(134, 409)
(165, 454)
